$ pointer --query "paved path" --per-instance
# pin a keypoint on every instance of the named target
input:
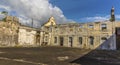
(40, 56)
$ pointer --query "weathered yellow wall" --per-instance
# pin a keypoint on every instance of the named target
(50, 22)
(27, 36)
(73, 30)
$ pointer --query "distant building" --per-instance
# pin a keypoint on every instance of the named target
(92, 35)
(9, 31)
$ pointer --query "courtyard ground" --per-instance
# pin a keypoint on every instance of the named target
(57, 56)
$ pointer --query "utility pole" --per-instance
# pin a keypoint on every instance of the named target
(32, 24)
(113, 28)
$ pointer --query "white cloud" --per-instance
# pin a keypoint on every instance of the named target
(117, 16)
(99, 18)
(2, 16)
(5, 7)
(96, 18)
(39, 10)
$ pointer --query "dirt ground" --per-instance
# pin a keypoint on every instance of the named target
(57, 56)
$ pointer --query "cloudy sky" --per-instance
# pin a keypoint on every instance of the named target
(88, 10)
(63, 10)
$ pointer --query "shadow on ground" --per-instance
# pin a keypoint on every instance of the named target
(108, 56)
(99, 57)
(45, 55)
(49, 56)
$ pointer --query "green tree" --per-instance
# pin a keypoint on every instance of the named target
(4, 12)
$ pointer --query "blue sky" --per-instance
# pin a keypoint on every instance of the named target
(79, 10)
(64, 11)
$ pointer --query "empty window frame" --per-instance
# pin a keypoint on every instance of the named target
(91, 26)
(103, 26)
(91, 40)
(103, 39)
(80, 40)
(55, 39)
(71, 41)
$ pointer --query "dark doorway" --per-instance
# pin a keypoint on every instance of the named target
(37, 39)
(70, 41)
(91, 41)
(118, 38)
(118, 42)
(61, 41)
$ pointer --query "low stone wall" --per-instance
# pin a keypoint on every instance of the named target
(8, 40)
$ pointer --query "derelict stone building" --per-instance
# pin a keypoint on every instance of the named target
(91, 35)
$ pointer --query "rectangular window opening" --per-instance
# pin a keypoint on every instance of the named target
(71, 41)
(80, 40)
(103, 26)
(91, 26)
(91, 38)
(55, 39)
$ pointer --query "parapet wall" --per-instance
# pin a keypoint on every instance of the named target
(9, 32)
(11, 18)
(8, 40)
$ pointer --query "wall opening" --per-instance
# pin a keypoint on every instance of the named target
(71, 41)
(61, 41)
(91, 40)
(80, 40)
(55, 40)
(103, 27)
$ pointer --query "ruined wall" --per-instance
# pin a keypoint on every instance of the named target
(68, 35)
(97, 30)
(50, 22)
(27, 36)
(8, 40)
(9, 32)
